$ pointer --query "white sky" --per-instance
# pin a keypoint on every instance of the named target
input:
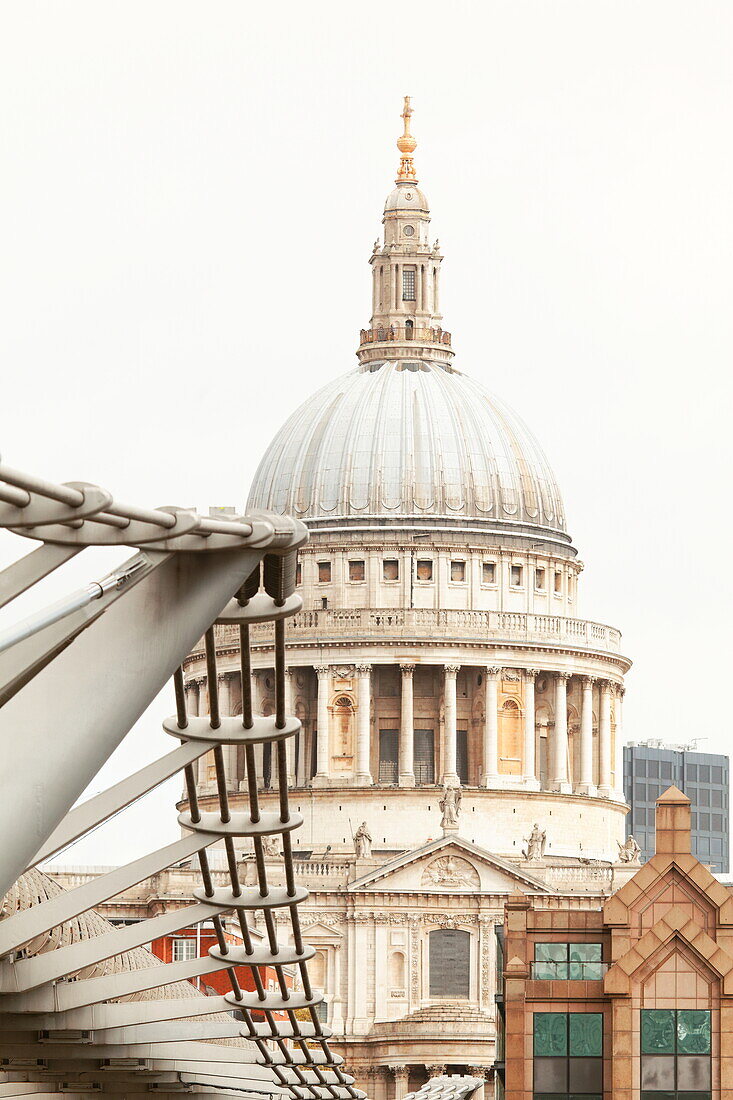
(188, 198)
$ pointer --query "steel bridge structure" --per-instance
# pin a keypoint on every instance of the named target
(83, 1006)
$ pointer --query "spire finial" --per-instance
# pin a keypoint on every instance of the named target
(406, 145)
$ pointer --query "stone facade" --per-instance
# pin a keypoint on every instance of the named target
(440, 646)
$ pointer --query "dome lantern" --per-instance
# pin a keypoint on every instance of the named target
(406, 321)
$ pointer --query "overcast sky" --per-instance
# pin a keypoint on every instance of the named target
(189, 194)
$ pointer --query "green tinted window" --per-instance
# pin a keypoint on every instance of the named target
(585, 952)
(551, 952)
(586, 1034)
(657, 1031)
(693, 1031)
(550, 1034)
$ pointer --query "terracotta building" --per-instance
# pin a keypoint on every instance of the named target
(631, 1000)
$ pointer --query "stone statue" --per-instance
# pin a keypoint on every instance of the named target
(271, 846)
(536, 842)
(629, 852)
(450, 804)
(363, 842)
(451, 871)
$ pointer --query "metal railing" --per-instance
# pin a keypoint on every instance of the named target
(73, 681)
(568, 971)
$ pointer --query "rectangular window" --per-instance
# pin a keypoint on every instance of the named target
(717, 775)
(388, 756)
(424, 754)
(408, 284)
(675, 1054)
(184, 949)
(704, 773)
(298, 575)
(391, 569)
(516, 575)
(558, 584)
(568, 1055)
(488, 572)
(458, 570)
(539, 579)
(424, 569)
(356, 570)
(568, 962)
(324, 571)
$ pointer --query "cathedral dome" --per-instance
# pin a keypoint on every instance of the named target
(407, 197)
(404, 443)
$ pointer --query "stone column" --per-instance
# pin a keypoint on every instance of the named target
(560, 741)
(225, 710)
(587, 786)
(323, 748)
(363, 725)
(490, 776)
(289, 713)
(618, 753)
(192, 698)
(407, 730)
(531, 779)
(401, 1074)
(604, 740)
(450, 774)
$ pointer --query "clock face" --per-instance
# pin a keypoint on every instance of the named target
(409, 230)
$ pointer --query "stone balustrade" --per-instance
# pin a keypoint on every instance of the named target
(385, 335)
(422, 623)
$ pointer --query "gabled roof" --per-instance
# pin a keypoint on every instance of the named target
(457, 844)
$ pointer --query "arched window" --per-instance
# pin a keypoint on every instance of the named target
(450, 962)
(343, 711)
(409, 330)
(317, 970)
(397, 970)
(510, 738)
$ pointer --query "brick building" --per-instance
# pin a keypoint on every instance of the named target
(634, 1000)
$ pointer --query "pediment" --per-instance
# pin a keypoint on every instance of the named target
(449, 865)
(319, 931)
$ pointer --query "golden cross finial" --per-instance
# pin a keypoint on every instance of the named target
(406, 145)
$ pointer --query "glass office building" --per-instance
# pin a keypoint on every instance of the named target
(650, 767)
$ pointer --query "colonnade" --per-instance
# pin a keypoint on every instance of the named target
(558, 776)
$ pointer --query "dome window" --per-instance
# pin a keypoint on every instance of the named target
(558, 584)
(458, 571)
(356, 570)
(539, 580)
(391, 569)
(408, 284)
(324, 572)
(516, 576)
(424, 569)
(298, 575)
(488, 572)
